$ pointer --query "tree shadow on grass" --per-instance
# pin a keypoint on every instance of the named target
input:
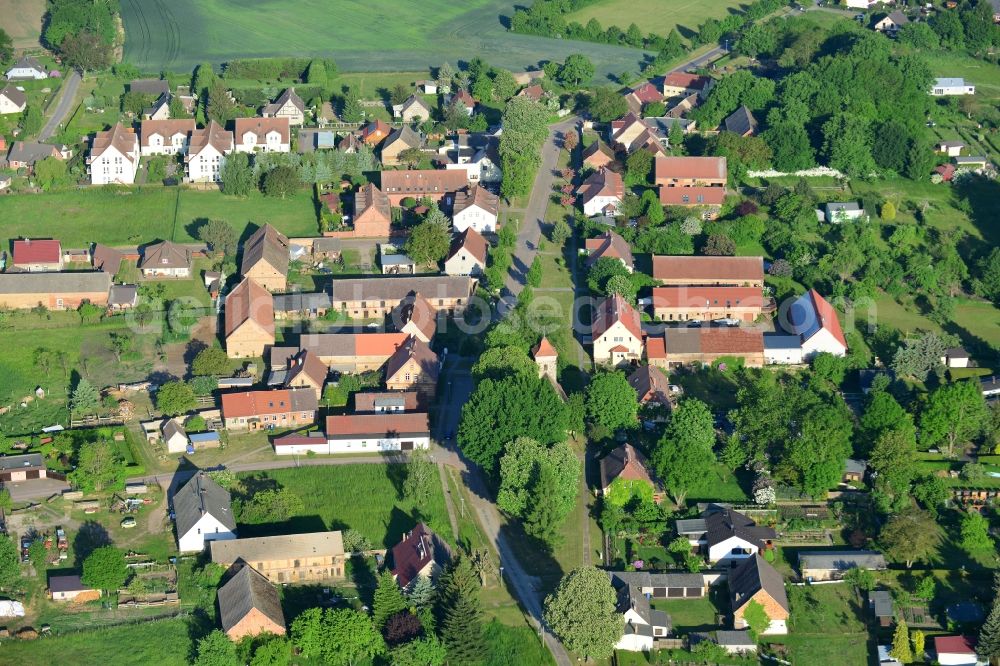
(91, 536)
(363, 575)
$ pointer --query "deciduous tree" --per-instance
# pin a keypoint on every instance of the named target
(175, 398)
(428, 242)
(216, 650)
(910, 536)
(583, 613)
(684, 455)
(210, 361)
(105, 569)
(522, 464)
(10, 562)
(955, 414)
(611, 401)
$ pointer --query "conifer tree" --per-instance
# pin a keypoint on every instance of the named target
(461, 614)
(901, 643)
(388, 600)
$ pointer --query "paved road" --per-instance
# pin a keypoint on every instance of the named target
(67, 95)
(534, 214)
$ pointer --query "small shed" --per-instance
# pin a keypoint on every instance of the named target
(955, 357)
(204, 440)
(174, 437)
(397, 264)
(880, 601)
(854, 470)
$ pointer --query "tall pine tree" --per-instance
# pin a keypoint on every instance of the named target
(421, 593)
(988, 647)
(388, 601)
(460, 614)
(901, 643)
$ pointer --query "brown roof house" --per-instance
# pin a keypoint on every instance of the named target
(266, 135)
(617, 332)
(415, 316)
(284, 408)
(207, 152)
(753, 580)
(602, 193)
(249, 320)
(249, 605)
(166, 259)
(625, 473)
(705, 346)
(306, 370)
(372, 213)
(651, 385)
(414, 108)
(12, 100)
(114, 156)
(413, 367)
(417, 183)
(106, 258)
(475, 208)
(401, 139)
(675, 171)
(265, 258)
(420, 553)
(741, 122)
(709, 271)
(468, 254)
(165, 137)
(54, 291)
(375, 132)
(609, 244)
(288, 105)
(598, 155)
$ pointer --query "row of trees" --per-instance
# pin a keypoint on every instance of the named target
(82, 32)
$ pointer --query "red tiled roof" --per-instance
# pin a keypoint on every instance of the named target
(377, 425)
(544, 349)
(685, 80)
(667, 167)
(692, 196)
(255, 403)
(709, 269)
(365, 402)
(707, 297)
(165, 128)
(611, 310)
(249, 301)
(423, 181)
(827, 316)
(378, 344)
(609, 244)
(731, 341)
(473, 242)
(29, 251)
(647, 92)
(413, 553)
(655, 348)
(604, 183)
(261, 126)
(954, 645)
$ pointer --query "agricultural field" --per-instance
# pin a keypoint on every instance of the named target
(178, 35)
(143, 214)
(22, 20)
(659, 16)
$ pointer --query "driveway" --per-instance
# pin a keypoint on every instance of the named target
(67, 95)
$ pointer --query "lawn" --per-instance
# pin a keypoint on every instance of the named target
(690, 615)
(364, 497)
(144, 214)
(659, 16)
(825, 626)
(163, 642)
(176, 36)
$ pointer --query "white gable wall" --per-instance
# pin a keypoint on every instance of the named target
(732, 549)
(822, 341)
(209, 528)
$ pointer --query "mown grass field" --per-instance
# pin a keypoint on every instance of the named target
(659, 16)
(381, 35)
(364, 497)
(144, 214)
(22, 20)
(164, 642)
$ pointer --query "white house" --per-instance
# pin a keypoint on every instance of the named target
(174, 436)
(288, 105)
(957, 651)
(27, 68)
(266, 135)
(725, 535)
(951, 148)
(165, 137)
(207, 153)
(602, 193)
(12, 100)
(781, 349)
(955, 357)
(815, 321)
(378, 432)
(202, 513)
(413, 108)
(840, 212)
(951, 86)
(475, 208)
(616, 331)
(114, 156)
(468, 254)
(861, 4)
(642, 624)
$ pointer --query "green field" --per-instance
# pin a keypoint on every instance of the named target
(144, 214)
(22, 20)
(659, 16)
(380, 35)
(164, 642)
(363, 497)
